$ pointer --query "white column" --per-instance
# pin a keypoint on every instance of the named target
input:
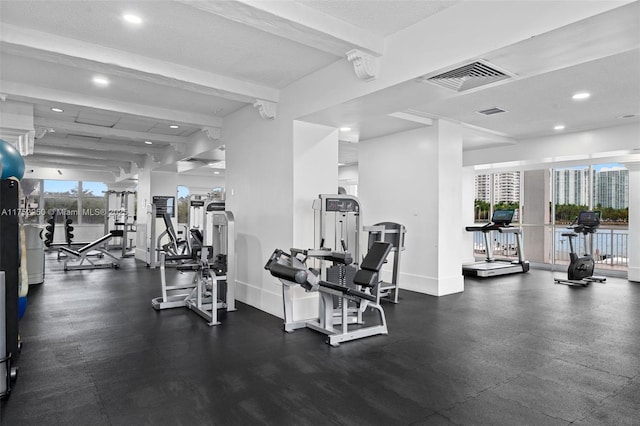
(633, 242)
(415, 178)
(535, 212)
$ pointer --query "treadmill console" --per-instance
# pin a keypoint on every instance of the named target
(502, 217)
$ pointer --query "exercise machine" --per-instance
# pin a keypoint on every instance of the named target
(393, 233)
(291, 270)
(167, 241)
(500, 222)
(212, 260)
(580, 271)
(80, 255)
(9, 283)
(120, 219)
(337, 224)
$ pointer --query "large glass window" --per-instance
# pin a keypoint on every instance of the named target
(183, 204)
(93, 202)
(61, 196)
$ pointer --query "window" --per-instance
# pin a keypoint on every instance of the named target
(183, 204)
(93, 202)
(61, 197)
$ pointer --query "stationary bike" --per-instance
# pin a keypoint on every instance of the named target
(580, 271)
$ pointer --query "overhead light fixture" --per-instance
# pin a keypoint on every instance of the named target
(57, 110)
(148, 142)
(131, 18)
(581, 96)
(174, 126)
(100, 81)
(345, 129)
(559, 127)
(216, 173)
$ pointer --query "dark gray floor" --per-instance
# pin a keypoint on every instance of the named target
(512, 350)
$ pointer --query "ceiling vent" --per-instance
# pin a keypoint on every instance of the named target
(470, 76)
(492, 111)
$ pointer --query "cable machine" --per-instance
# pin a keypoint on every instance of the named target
(212, 260)
(120, 219)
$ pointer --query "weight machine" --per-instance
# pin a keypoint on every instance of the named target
(212, 260)
(291, 269)
(393, 233)
(168, 240)
(120, 219)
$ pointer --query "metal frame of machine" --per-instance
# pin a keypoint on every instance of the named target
(490, 266)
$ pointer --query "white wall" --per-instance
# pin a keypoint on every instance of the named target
(414, 178)
(259, 188)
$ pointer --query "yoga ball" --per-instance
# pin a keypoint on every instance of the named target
(22, 306)
(11, 161)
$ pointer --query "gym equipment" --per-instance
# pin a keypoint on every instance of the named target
(500, 221)
(580, 271)
(68, 230)
(291, 270)
(81, 254)
(393, 233)
(212, 260)
(11, 162)
(120, 219)
(11, 289)
(337, 219)
(155, 245)
(51, 229)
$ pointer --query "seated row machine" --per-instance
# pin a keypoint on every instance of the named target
(291, 270)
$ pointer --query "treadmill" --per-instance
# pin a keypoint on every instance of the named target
(490, 267)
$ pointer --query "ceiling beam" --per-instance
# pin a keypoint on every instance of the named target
(295, 21)
(41, 162)
(70, 161)
(49, 47)
(34, 94)
(105, 145)
(107, 132)
(80, 154)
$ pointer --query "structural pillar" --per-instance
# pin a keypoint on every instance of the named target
(633, 241)
(415, 178)
(535, 215)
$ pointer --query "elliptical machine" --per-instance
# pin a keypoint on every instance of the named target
(580, 271)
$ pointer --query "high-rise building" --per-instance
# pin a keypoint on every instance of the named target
(572, 186)
(482, 187)
(506, 187)
(611, 188)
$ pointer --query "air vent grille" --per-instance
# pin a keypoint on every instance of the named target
(469, 76)
(492, 111)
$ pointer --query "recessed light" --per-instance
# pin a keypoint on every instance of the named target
(57, 110)
(559, 127)
(133, 19)
(581, 96)
(216, 173)
(174, 126)
(100, 81)
(345, 129)
(148, 142)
